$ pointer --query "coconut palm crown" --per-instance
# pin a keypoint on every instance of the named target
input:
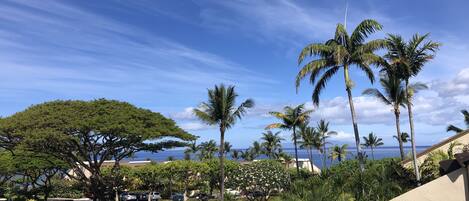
(221, 110)
(271, 144)
(342, 52)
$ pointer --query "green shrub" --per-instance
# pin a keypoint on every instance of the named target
(259, 180)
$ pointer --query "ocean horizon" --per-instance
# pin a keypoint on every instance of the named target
(379, 153)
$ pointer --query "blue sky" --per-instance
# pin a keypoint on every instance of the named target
(163, 55)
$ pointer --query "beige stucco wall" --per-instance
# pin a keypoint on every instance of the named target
(450, 187)
(464, 139)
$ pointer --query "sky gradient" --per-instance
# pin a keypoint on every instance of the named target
(163, 55)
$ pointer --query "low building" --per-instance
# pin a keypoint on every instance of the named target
(304, 163)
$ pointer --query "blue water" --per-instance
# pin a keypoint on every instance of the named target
(379, 153)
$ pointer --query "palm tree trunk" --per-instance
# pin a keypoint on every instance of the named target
(412, 132)
(372, 153)
(296, 151)
(354, 121)
(398, 129)
(222, 165)
(324, 153)
(311, 159)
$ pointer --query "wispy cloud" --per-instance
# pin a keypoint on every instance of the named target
(62, 49)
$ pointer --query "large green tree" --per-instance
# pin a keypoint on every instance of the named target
(221, 110)
(342, 52)
(83, 134)
(291, 119)
(409, 58)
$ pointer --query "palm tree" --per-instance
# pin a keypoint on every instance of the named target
(465, 113)
(192, 148)
(404, 137)
(248, 154)
(286, 158)
(310, 139)
(221, 110)
(339, 152)
(323, 130)
(272, 144)
(342, 52)
(291, 118)
(207, 150)
(235, 154)
(409, 58)
(393, 94)
(256, 149)
(372, 141)
(227, 148)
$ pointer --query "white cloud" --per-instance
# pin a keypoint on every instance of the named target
(70, 52)
(194, 126)
(342, 136)
(187, 114)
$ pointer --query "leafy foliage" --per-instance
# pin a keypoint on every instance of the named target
(83, 134)
(382, 180)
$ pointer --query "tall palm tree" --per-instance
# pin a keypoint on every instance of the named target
(323, 129)
(310, 139)
(342, 52)
(291, 118)
(465, 113)
(272, 144)
(372, 141)
(207, 150)
(339, 152)
(409, 59)
(221, 110)
(393, 94)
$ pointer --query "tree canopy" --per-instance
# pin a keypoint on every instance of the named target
(84, 134)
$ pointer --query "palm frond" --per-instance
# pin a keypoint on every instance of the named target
(377, 94)
(365, 28)
(321, 84)
(314, 49)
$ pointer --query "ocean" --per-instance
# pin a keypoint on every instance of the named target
(379, 153)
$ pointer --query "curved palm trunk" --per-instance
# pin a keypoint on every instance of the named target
(311, 159)
(398, 130)
(296, 151)
(222, 165)
(354, 120)
(412, 133)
